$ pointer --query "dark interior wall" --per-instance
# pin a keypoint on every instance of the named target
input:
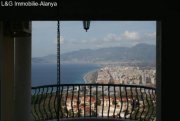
(1, 33)
(158, 68)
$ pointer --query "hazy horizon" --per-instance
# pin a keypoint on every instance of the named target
(94, 49)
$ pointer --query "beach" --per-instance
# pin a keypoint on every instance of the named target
(91, 77)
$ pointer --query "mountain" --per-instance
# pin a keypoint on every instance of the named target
(139, 53)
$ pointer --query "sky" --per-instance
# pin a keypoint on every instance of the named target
(101, 34)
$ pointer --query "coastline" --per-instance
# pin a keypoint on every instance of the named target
(90, 77)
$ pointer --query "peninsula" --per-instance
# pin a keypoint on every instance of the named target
(122, 75)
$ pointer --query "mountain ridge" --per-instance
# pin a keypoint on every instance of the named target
(138, 53)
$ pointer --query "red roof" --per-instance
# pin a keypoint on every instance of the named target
(123, 99)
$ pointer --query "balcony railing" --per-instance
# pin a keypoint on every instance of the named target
(94, 100)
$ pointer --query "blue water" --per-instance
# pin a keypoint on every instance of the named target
(44, 74)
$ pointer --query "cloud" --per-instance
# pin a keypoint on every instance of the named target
(61, 40)
(131, 36)
(151, 35)
(127, 38)
(111, 38)
(85, 41)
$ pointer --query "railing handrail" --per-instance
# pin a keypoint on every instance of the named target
(123, 85)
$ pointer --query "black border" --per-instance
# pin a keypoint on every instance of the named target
(91, 9)
(165, 12)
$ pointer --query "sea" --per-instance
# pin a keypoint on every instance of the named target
(46, 74)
